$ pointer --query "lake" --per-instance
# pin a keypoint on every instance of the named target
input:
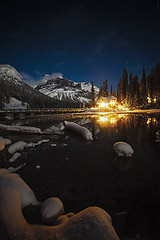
(89, 173)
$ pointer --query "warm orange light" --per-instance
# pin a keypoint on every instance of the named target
(149, 99)
(103, 119)
(102, 105)
(149, 121)
(112, 103)
(112, 120)
(154, 120)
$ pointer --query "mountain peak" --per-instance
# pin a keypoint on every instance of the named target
(9, 73)
(61, 88)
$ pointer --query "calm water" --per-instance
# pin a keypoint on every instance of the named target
(89, 173)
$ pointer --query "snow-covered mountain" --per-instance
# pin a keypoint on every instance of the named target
(12, 87)
(63, 89)
(9, 73)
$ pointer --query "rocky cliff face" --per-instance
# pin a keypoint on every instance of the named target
(65, 90)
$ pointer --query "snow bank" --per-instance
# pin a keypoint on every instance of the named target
(84, 132)
(15, 104)
(38, 143)
(14, 157)
(51, 209)
(123, 149)
(22, 129)
(17, 147)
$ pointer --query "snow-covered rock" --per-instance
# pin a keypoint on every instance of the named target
(123, 149)
(21, 129)
(17, 147)
(14, 157)
(51, 209)
(7, 141)
(12, 181)
(84, 132)
(92, 223)
(53, 130)
(2, 144)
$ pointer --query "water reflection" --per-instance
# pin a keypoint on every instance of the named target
(92, 172)
(129, 120)
(123, 163)
(110, 119)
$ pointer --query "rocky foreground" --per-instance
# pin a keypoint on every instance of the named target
(15, 194)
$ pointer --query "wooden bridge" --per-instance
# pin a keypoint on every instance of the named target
(29, 113)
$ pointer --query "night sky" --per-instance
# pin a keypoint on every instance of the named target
(83, 40)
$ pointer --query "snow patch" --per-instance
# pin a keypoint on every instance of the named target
(17, 147)
(15, 104)
(15, 169)
(14, 157)
(54, 145)
(22, 129)
(38, 143)
(123, 149)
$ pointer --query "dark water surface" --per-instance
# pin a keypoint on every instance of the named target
(89, 173)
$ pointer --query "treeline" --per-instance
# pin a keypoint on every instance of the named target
(103, 92)
(140, 93)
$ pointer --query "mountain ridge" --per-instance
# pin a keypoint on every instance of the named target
(61, 88)
(12, 85)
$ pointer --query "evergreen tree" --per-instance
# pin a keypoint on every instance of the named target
(150, 89)
(119, 91)
(136, 97)
(143, 89)
(92, 94)
(101, 92)
(156, 85)
(111, 92)
(124, 85)
(114, 94)
(105, 87)
(131, 91)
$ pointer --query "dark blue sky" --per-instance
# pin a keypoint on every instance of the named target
(84, 40)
